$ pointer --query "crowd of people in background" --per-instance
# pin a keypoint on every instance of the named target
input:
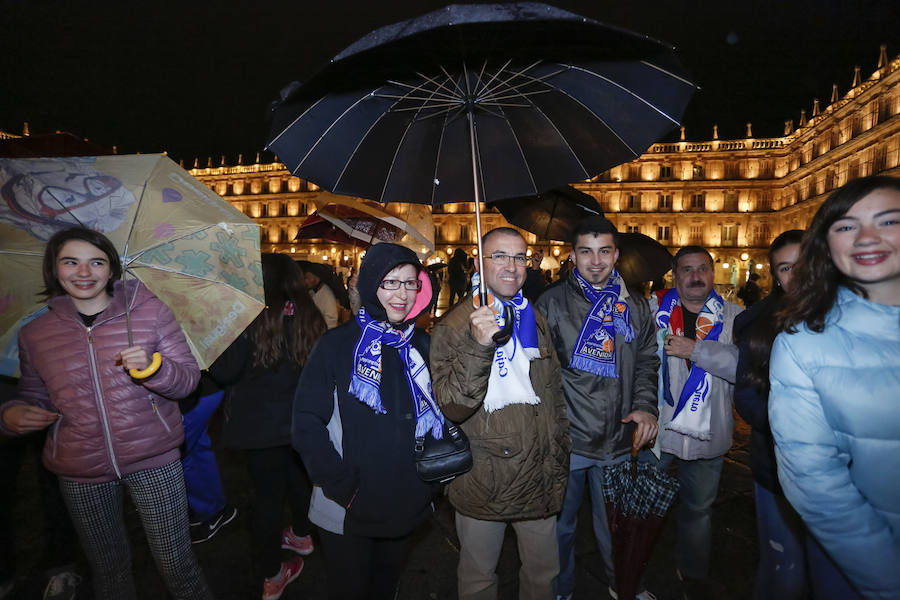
(325, 405)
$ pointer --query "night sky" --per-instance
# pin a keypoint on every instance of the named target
(196, 79)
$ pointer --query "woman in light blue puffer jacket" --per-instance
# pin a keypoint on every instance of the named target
(834, 405)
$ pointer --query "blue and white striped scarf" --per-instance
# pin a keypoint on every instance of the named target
(595, 350)
(366, 378)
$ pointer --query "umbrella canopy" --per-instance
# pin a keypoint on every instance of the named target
(638, 495)
(543, 96)
(196, 252)
(479, 102)
(641, 258)
(551, 215)
(317, 227)
(370, 223)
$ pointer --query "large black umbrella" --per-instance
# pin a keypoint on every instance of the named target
(479, 102)
(551, 215)
(641, 258)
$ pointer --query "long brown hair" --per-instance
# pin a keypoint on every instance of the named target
(816, 278)
(271, 332)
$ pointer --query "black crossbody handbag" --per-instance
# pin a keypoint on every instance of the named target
(439, 461)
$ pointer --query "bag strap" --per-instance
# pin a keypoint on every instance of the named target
(452, 430)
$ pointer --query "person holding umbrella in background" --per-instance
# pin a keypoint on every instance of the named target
(457, 277)
(322, 295)
(115, 423)
(606, 341)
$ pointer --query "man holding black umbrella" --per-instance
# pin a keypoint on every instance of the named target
(507, 395)
(605, 339)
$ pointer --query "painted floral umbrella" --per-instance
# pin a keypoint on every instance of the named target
(196, 252)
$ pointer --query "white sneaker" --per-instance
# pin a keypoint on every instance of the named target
(645, 595)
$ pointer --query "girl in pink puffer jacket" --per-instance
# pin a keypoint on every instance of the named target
(114, 421)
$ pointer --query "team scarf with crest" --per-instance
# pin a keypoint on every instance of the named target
(510, 379)
(366, 378)
(694, 421)
(595, 350)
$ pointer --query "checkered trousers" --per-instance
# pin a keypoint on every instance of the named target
(98, 515)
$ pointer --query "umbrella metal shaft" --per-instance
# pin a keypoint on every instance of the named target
(482, 289)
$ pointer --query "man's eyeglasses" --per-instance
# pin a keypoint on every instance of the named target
(503, 259)
(394, 284)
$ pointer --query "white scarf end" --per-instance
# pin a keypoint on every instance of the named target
(493, 404)
(703, 436)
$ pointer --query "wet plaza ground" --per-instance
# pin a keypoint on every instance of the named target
(431, 573)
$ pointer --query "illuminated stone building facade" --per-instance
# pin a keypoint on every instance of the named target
(731, 196)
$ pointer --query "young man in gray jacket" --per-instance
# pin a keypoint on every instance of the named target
(605, 340)
(696, 385)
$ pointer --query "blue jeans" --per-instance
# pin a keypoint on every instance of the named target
(699, 481)
(782, 550)
(201, 472)
(581, 470)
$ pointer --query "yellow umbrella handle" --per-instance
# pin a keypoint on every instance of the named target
(145, 373)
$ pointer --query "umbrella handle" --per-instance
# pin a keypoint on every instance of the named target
(150, 370)
(501, 337)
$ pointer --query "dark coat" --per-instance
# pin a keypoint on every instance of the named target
(368, 467)
(258, 401)
(753, 406)
(521, 452)
(598, 404)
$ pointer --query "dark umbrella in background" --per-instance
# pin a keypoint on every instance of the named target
(551, 215)
(641, 258)
(474, 103)
(638, 495)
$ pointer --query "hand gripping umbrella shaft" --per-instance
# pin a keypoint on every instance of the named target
(501, 337)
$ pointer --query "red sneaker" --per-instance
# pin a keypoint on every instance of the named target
(301, 545)
(290, 570)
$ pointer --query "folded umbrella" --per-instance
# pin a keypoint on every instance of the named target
(638, 495)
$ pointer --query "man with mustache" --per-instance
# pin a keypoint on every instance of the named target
(697, 374)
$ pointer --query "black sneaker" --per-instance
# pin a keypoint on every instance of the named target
(205, 530)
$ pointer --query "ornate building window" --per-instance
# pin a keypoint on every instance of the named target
(663, 234)
(665, 172)
(696, 234)
(698, 201)
(729, 235)
(698, 172)
(464, 232)
(634, 202)
(664, 202)
(633, 228)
